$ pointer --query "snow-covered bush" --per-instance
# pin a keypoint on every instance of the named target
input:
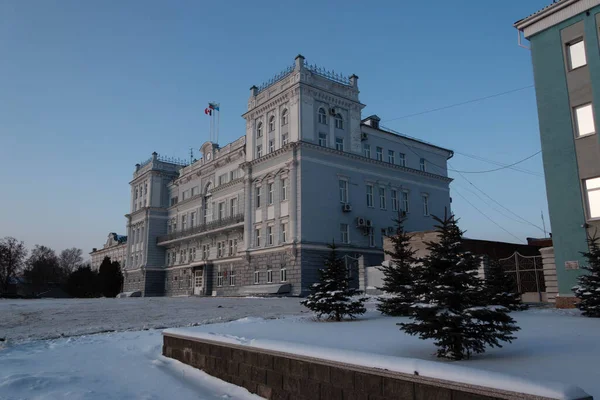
(588, 290)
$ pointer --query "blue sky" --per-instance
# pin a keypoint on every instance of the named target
(88, 89)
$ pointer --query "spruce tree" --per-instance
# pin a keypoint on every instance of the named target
(332, 296)
(501, 289)
(588, 290)
(450, 306)
(110, 278)
(398, 274)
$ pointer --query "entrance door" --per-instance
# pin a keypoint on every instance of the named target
(198, 282)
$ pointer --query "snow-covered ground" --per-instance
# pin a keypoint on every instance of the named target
(53, 318)
(553, 345)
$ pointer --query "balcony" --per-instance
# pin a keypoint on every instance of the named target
(211, 226)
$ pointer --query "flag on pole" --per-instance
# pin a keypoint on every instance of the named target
(214, 106)
(208, 111)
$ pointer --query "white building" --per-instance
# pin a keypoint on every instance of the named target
(115, 248)
(257, 215)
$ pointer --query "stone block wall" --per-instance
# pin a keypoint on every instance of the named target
(549, 266)
(133, 281)
(276, 375)
(179, 282)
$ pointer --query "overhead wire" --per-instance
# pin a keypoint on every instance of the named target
(460, 104)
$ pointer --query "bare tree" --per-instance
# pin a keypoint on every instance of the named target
(70, 259)
(43, 268)
(12, 257)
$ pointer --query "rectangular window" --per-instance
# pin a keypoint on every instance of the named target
(576, 53)
(402, 159)
(344, 234)
(190, 255)
(367, 150)
(379, 153)
(222, 210)
(270, 193)
(284, 233)
(258, 197)
(174, 224)
(259, 151)
(284, 186)
(233, 174)
(422, 165)
(183, 222)
(343, 191)
(283, 274)
(257, 234)
(584, 120)
(168, 258)
(231, 276)
(405, 204)
(193, 220)
(194, 191)
(394, 200)
(323, 139)
(425, 204)
(391, 157)
(285, 139)
(382, 198)
(371, 238)
(339, 143)
(269, 275)
(222, 179)
(232, 247)
(592, 188)
(182, 257)
(173, 200)
(271, 145)
(233, 205)
(219, 250)
(205, 251)
(369, 195)
(219, 276)
(270, 235)
(256, 277)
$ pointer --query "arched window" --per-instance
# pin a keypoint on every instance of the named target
(272, 123)
(339, 122)
(284, 117)
(322, 116)
(259, 131)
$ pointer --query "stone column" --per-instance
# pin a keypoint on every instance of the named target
(550, 280)
(248, 209)
(293, 211)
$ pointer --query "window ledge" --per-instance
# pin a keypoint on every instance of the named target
(586, 135)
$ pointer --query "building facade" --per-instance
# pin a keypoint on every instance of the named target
(115, 248)
(256, 216)
(566, 65)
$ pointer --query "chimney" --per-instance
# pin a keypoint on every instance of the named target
(253, 90)
(354, 80)
(299, 62)
(94, 250)
(137, 167)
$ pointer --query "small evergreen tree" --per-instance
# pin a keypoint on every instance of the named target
(332, 296)
(451, 303)
(398, 274)
(588, 290)
(110, 278)
(501, 289)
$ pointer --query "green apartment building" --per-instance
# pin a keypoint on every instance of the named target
(565, 52)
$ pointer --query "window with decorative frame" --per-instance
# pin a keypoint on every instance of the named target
(339, 121)
(269, 274)
(219, 276)
(272, 123)
(284, 117)
(231, 276)
(322, 116)
(256, 277)
(259, 130)
(283, 274)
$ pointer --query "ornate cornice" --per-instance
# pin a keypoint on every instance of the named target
(228, 184)
(376, 162)
(269, 105)
(273, 154)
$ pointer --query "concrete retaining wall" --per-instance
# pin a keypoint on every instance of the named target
(277, 375)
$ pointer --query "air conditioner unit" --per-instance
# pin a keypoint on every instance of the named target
(346, 207)
(369, 223)
(332, 111)
(364, 136)
(360, 221)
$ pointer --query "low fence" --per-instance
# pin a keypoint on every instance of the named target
(281, 375)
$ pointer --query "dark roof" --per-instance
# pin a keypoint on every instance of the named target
(120, 238)
(390, 131)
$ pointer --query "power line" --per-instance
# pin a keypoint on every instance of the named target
(498, 169)
(486, 216)
(526, 171)
(460, 104)
(494, 200)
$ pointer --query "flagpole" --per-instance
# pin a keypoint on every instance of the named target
(218, 123)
